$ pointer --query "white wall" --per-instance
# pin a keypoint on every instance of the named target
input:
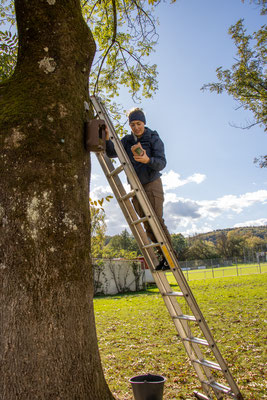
(117, 276)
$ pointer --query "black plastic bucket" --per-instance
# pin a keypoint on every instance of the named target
(148, 387)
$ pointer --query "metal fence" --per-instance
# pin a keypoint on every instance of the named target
(218, 268)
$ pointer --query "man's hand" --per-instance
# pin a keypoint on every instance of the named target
(144, 159)
(107, 132)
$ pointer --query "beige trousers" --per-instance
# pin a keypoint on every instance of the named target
(154, 191)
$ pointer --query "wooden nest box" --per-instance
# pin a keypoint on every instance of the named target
(95, 135)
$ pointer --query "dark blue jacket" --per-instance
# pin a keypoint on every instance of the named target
(154, 147)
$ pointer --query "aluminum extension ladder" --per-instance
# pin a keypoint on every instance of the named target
(214, 375)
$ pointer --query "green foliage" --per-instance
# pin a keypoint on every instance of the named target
(261, 161)
(257, 231)
(8, 53)
(125, 35)
(231, 244)
(201, 250)
(228, 243)
(98, 226)
(98, 231)
(246, 81)
(7, 12)
(123, 245)
(180, 245)
(261, 3)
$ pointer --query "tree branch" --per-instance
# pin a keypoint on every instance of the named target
(113, 40)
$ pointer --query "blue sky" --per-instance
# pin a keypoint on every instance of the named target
(210, 180)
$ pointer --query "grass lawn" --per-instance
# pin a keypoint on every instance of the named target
(137, 336)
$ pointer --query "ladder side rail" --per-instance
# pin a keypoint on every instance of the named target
(191, 301)
(182, 326)
(128, 211)
(204, 328)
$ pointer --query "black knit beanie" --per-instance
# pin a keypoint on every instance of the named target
(137, 115)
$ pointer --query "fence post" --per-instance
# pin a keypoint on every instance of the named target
(212, 271)
(236, 267)
(259, 265)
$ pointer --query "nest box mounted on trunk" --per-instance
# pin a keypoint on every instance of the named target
(95, 135)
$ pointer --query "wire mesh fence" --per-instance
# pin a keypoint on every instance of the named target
(218, 268)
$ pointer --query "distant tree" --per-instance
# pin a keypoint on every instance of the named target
(201, 250)
(255, 243)
(231, 244)
(123, 242)
(180, 245)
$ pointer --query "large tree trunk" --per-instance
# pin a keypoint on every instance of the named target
(48, 342)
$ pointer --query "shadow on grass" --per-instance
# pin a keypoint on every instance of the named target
(149, 291)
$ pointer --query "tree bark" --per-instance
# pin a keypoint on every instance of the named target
(48, 344)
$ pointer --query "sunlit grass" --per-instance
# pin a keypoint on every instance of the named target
(136, 336)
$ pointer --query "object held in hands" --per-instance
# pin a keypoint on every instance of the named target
(137, 149)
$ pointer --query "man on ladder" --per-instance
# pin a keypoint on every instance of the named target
(145, 150)
(141, 154)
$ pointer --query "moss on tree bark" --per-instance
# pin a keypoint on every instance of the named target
(48, 341)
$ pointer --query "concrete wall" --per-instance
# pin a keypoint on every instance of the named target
(117, 276)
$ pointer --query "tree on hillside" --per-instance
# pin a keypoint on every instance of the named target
(201, 250)
(48, 338)
(180, 245)
(246, 80)
(230, 244)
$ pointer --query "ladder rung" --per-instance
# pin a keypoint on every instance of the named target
(139, 221)
(183, 316)
(209, 364)
(147, 246)
(197, 340)
(201, 396)
(180, 294)
(116, 171)
(128, 195)
(220, 387)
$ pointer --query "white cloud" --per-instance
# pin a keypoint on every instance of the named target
(98, 192)
(255, 222)
(172, 180)
(115, 220)
(186, 215)
(183, 215)
(233, 203)
(94, 177)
